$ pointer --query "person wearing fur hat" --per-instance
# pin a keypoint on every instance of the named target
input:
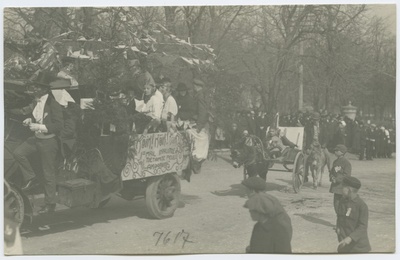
(341, 168)
(273, 231)
(46, 122)
(352, 219)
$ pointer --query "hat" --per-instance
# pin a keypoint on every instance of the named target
(262, 203)
(182, 86)
(43, 79)
(352, 182)
(341, 147)
(255, 183)
(198, 82)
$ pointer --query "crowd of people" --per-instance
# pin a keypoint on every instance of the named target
(273, 231)
(366, 139)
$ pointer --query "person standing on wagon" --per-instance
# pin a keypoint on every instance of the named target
(202, 128)
(341, 168)
(46, 121)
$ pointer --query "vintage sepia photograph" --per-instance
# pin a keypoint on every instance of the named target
(199, 129)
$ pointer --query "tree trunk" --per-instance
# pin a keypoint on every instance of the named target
(170, 16)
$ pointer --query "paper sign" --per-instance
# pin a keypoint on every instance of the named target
(156, 154)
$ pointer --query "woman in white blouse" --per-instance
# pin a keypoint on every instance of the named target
(150, 116)
(154, 106)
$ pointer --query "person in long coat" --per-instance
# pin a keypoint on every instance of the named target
(352, 219)
(341, 168)
(273, 231)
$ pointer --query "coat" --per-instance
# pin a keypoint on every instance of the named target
(352, 221)
(69, 133)
(275, 234)
(341, 167)
(52, 115)
(186, 109)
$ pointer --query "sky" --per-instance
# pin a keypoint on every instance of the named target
(388, 12)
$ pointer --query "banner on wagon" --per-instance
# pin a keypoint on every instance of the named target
(156, 154)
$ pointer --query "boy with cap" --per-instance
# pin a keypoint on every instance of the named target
(273, 231)
(341, 168)
(352, 219)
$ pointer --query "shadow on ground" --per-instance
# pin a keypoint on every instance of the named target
(308, 185)
(188, 199)
(315, 220)
(240, 190)
(77, 218)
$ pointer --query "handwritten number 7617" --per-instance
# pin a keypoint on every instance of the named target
(165, 238)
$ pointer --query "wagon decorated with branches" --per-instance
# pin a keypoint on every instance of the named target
(108, 157)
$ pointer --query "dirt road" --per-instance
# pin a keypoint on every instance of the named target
(211, 217)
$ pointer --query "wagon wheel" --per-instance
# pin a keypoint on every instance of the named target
(298, 172)
(162, 195)
(15, 204)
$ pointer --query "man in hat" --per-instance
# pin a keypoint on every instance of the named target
(186, 110)
(352, 219)
(341, 168)
(363, 140)
(312, 129)
(141, 78)
(46, 121)
(200, 134)
(370, 142)
(273, 231)
(251, 123)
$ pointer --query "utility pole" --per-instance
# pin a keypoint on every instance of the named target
(301, 76)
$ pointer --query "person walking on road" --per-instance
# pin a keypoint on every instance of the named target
(341, 168)
(352, 219)
(273, 231)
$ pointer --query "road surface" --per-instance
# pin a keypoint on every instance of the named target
(211, 217)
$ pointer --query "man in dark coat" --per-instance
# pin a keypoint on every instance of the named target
(363, 140)
(46, 121)
(251, 123)
(370, 143)
(186, 109)
(352, 219)
(341, 168)
(273, 231)
(234, 135)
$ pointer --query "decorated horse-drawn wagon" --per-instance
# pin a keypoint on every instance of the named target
(258, 156)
